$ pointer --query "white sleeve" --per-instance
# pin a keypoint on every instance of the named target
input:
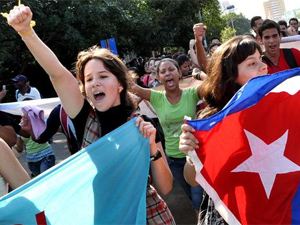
(36, 93)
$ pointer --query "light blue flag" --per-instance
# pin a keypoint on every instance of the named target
(104, 183)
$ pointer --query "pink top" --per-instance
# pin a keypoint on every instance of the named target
(147, 79)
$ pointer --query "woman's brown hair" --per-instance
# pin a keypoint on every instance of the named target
(112, 63)
(222, 72)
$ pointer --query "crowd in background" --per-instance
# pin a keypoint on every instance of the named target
(170, 105)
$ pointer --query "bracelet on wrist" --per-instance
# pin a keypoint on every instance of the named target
(156, 156)
(28, 33)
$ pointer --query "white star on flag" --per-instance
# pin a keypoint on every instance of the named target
(267, 160)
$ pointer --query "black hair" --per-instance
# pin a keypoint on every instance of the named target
(268, 24)
(282, 22)
(293, 19)
(168, 60)
(181, 59)
(253, 20)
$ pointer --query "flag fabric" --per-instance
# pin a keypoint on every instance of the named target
(104, 183)
(47, 104)
(248, 159)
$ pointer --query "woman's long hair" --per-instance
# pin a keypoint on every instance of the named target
(112, 63)
(222, 72)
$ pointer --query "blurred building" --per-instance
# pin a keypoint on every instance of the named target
(274, 9)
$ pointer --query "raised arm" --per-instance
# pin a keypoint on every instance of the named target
(193, 53)
(63, 81)
(199, 32)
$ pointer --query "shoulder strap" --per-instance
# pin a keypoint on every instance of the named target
(64, 121)
(289, 57)
(266, 60)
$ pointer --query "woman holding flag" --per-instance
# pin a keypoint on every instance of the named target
(104, 83)
(232, 65)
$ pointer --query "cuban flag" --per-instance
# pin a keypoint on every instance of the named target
(248, 159)
(104, 183)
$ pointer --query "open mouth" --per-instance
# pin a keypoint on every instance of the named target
(99, 96)
(272, 47)
(170, 82)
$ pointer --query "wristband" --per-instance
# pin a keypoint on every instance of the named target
(196, 76)
(28, 33)
(27, 36)
(156, 156)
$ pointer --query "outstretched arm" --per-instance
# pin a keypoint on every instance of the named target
(144, 93)
(63, 81)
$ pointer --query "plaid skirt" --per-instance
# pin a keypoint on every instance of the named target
(157, 210)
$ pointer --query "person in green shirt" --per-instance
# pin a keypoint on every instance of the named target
(171, 105)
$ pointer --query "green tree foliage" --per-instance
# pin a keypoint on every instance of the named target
(211, 18)
(237, 21)
(227, 33)
(70, 26)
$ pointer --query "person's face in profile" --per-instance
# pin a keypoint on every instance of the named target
(251, 67)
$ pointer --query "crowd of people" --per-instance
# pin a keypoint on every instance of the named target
(106, 94)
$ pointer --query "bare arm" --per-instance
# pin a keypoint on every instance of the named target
(19, 145)
(199, 32)
(188, 142)
(63, 81)
(144, 93)
(189, 172)
(10, 168)
(193, 53)
(161, 173)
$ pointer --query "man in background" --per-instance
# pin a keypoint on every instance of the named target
(294, 23)
(23, 90)
(277, 59)
(255, 23)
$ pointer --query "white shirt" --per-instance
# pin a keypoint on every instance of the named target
(31, 94)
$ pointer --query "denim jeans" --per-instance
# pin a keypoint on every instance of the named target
(38, 167)
(194, 193)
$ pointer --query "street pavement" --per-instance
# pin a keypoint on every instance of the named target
(177, 200)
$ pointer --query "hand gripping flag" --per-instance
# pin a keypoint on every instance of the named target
(249, 156)
(104, 183)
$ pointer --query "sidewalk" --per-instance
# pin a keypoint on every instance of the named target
(177, 200)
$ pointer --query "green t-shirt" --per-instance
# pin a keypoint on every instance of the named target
(171, 116)
(32, 146)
